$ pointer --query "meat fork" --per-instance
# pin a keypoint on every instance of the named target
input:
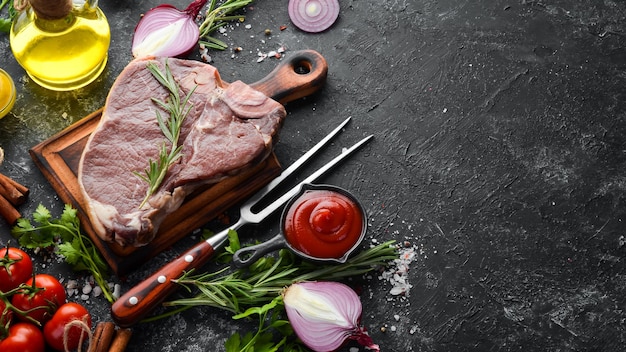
(141, 299)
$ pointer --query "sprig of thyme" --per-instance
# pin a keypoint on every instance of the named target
(216, 17)
(178, 110)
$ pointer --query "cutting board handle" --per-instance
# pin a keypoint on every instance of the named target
(300, 74)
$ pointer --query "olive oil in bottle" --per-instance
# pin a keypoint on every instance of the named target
(63, 44)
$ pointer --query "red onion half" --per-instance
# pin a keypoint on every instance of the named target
(324, 314)
(167, 31)
(313, 15)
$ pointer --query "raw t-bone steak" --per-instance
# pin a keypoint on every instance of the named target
(230, 127)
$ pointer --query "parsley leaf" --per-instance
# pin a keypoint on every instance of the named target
(5, 23)
(65, 235)
(263, 339)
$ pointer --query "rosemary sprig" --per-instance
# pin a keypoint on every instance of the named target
(178, 110)
(216, 16)
(241, 289)
(257, 292)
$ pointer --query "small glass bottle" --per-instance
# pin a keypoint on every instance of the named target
(62, 44)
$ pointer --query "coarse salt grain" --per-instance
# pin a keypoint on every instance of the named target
(117, 289)
(397, 273)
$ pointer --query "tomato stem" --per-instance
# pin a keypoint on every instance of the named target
(7, 261)
(26, 289)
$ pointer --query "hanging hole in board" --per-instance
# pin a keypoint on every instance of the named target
(303, 67)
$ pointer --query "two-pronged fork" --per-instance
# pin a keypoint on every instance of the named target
(145, 296)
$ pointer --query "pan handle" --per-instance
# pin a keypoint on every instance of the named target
(300, 74)
(248, 255)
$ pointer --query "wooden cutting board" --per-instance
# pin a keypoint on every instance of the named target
(301, 74)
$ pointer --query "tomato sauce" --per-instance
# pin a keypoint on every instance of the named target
(323, 224)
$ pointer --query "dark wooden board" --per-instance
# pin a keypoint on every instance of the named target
(302, 74)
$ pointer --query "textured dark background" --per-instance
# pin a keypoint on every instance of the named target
(499, 154)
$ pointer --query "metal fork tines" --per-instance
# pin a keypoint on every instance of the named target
(248, 216)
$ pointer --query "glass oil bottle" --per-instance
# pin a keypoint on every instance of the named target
(61, 51)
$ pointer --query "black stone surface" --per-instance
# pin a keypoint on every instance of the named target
(499, 154)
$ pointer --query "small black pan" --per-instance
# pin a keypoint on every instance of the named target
(248, 255)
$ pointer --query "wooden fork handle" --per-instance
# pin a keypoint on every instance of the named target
(140, 300)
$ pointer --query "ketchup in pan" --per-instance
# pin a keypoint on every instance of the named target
(321, 223)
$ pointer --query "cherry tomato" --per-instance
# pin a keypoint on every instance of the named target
(15, 268)
(23, 337)
(54, 330)
(49, 295)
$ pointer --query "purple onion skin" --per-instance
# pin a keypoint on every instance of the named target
(192, 11)
(317, 23)
(325, 315)
(194, 8)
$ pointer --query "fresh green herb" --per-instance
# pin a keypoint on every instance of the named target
(241, 289)
(257, 290)
(5, 22)
(263, 339)
(178, 110)
(216, 17)
(65, 236)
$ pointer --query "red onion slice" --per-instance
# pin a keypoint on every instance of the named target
(325, 314)
(313, 15)
(165, 31)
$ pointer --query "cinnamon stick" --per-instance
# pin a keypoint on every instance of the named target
(122, 336)
(8, 211)
(12, 195)
(102, 337)
(95, 338)
(12, 190)
(20, 187)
